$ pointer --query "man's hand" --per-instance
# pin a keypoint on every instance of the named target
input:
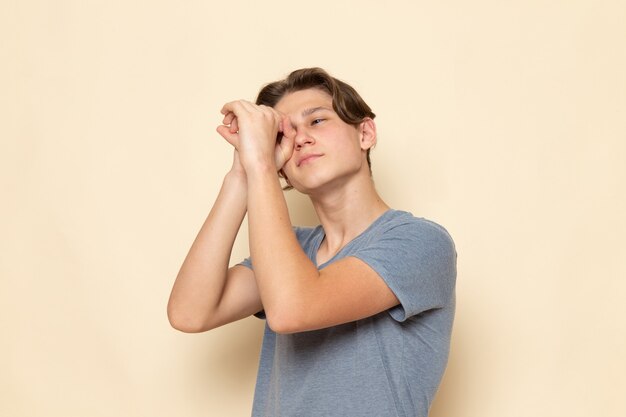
(254, 131)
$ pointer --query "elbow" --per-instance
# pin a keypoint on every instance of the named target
(281, 326)
(284, 321)
(185, 323)
(185, 327)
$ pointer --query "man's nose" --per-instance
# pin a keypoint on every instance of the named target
(303, 137)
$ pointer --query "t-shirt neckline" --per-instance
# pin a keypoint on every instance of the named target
(320, 235)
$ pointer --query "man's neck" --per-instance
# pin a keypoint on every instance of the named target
(348, 212)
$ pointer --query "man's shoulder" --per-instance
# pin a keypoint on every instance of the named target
(405, 223)
(305, 234)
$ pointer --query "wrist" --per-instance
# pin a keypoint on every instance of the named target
(236, 176)
(261, 169)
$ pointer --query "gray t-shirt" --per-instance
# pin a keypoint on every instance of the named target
(389, 364)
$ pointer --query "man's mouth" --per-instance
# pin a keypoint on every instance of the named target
(307, 158)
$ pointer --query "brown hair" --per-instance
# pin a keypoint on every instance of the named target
(347, 103)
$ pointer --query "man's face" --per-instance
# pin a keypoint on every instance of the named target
(327, 150)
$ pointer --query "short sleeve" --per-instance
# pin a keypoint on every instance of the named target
(246, 262)
(417, 260)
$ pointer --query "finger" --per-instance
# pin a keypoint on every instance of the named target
(286, 127)
(248, 106)
(271, 112)
(278, 116)
(234, 107)
(228, 118)
(234, 126)
(285, 150)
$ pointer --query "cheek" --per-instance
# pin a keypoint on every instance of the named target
(351, 149)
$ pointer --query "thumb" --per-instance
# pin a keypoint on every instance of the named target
(232, 138)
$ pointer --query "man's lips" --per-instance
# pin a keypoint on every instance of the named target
(307, 158)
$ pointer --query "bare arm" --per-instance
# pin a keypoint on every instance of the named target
(206, 293)
(295, 294)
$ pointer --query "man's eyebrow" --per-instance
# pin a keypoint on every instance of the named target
(307, 112)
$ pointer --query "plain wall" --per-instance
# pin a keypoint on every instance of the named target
(504, 121)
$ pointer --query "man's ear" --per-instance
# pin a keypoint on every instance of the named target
(367, 133)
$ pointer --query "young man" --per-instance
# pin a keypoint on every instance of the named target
(359, 310)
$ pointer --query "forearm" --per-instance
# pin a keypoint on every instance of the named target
(282, 270)
(202, 277)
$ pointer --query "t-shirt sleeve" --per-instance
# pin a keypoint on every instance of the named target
(417, 260)
(246, 262)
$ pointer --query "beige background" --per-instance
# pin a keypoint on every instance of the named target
(504, 121)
